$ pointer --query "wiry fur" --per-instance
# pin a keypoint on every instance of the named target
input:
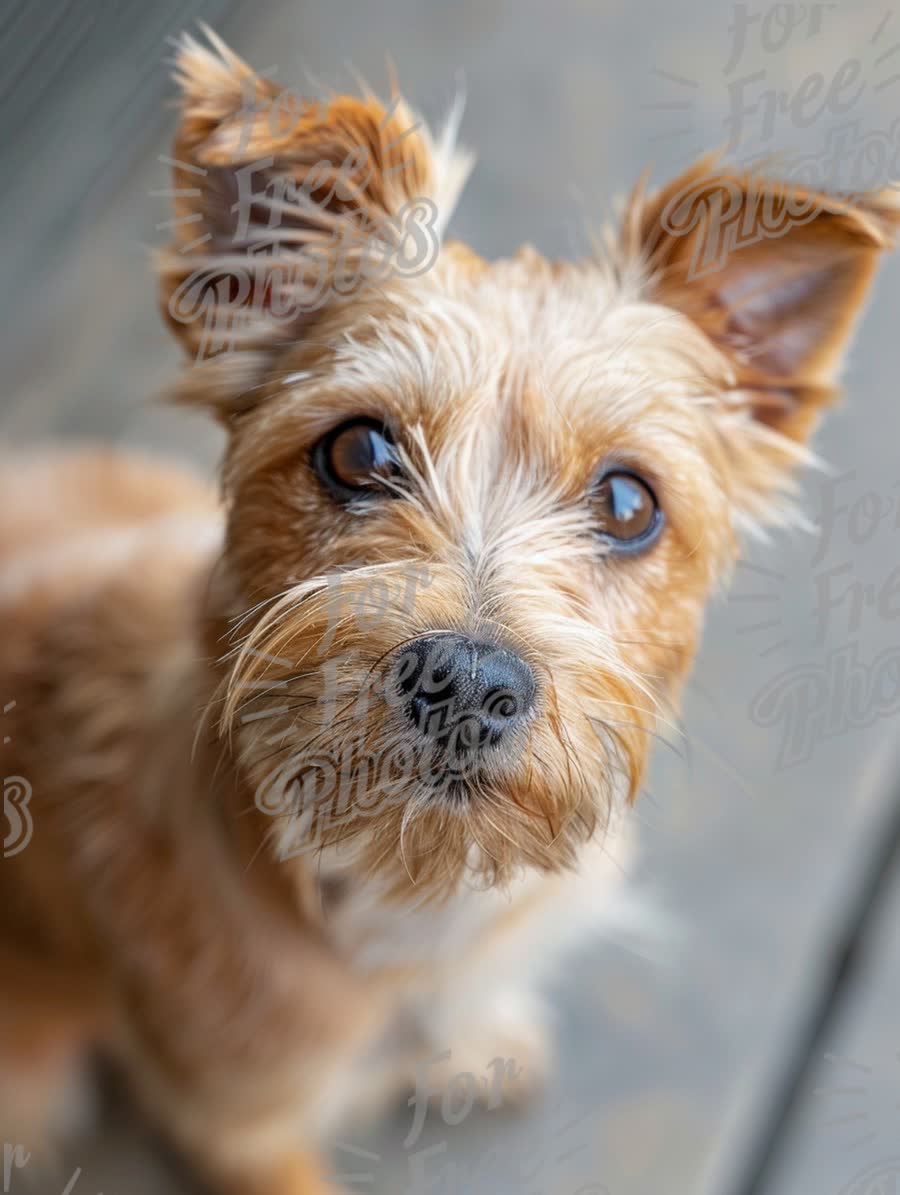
(254, 960)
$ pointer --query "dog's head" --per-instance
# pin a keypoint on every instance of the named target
(475, 509)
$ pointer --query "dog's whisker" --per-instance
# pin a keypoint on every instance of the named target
(606, 722)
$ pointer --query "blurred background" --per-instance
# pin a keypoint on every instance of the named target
(753, 1048)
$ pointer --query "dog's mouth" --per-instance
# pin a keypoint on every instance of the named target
(459, 759)
(457, 784)
(455, 790)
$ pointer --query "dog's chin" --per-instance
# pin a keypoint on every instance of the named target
(421, 817)
(456, 792)
(462, 830)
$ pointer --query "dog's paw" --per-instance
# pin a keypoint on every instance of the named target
(501, 1058)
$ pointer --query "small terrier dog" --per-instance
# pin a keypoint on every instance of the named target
(322, 774)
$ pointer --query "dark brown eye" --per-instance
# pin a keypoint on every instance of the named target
(357, 457)
(626, 510)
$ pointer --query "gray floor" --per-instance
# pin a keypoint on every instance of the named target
(756, 1051)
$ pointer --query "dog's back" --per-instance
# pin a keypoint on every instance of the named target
(58, 508)
(86, 538)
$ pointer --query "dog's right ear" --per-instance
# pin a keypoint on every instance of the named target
(284, 205)
(775, 276)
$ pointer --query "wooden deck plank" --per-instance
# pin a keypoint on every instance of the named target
(843, 1135)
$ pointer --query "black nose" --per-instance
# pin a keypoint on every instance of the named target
(460, 686)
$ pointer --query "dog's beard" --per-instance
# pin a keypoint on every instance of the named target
(313, 707)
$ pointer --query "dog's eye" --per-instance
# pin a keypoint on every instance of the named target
(356, 457)
(627, 513)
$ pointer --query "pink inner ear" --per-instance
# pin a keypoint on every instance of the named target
(781, 310)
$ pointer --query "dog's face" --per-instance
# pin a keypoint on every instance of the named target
(475, 510)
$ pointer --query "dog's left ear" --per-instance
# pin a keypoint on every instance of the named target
(775, 276)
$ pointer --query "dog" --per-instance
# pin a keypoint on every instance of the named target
(323, 769)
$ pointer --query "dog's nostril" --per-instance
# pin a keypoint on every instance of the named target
(501, 705)
(424, 675)
(453, 681)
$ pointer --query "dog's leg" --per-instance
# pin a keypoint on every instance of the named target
(487, 1029)
(245, 1083)
(485, 1025)
(49, 1021)
(257, 1145)
(239, 1133)
(488, 1018)
(296, 1173)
